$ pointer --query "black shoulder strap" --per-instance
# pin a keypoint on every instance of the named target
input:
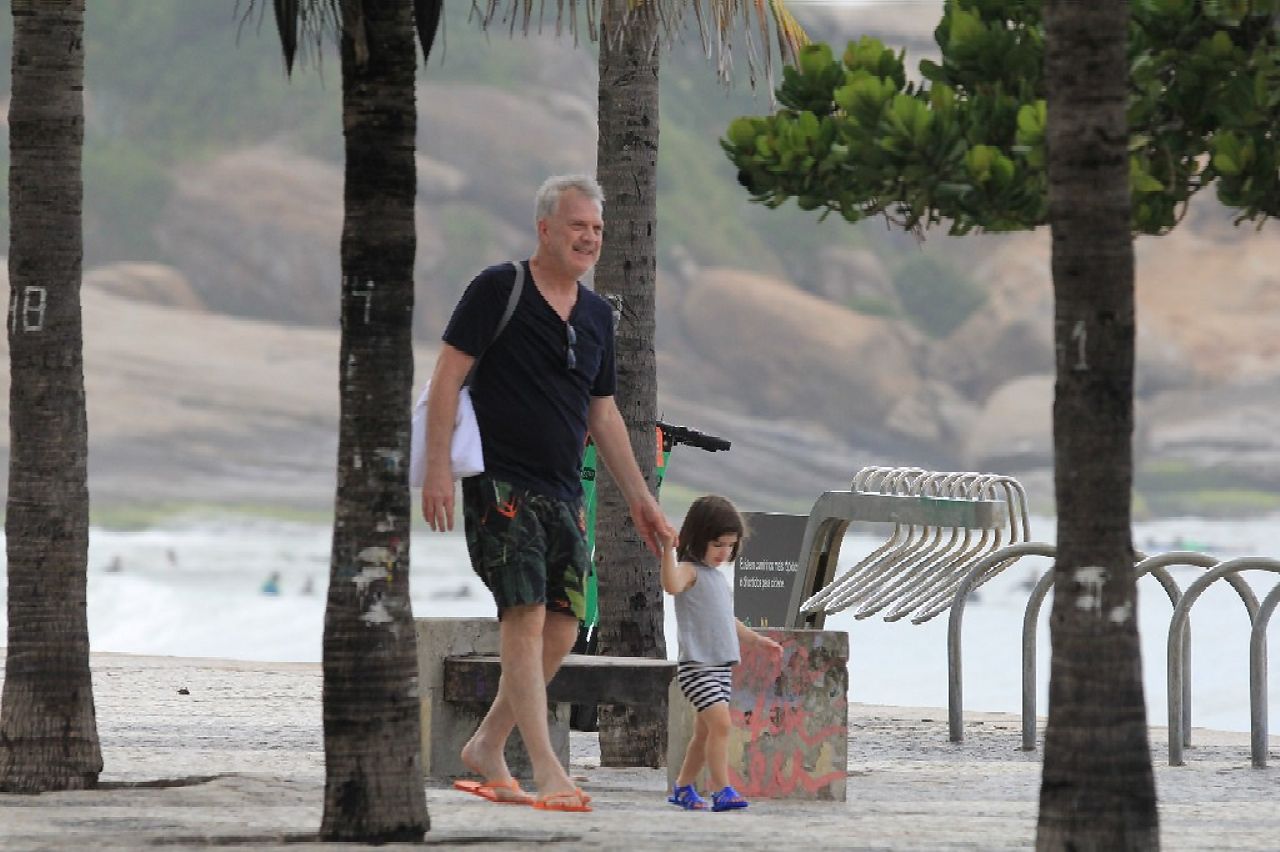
(512, 301)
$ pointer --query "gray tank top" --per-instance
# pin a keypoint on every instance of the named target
(706, 627)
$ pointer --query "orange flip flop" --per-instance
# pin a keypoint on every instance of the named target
(500, 792)
(575, 802)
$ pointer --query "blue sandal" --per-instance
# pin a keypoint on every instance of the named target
(686, 797)
(728, 799)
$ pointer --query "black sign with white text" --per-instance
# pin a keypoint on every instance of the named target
(767, 565)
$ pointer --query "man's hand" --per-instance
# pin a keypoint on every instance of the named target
(437, 499)
(614, 447)
(451, 370)
(652, 524)
(667, 539)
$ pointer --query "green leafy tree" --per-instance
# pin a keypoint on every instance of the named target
(630, 33)
(1101, 120)
(373, 770)
(966, 144)
(48, 728)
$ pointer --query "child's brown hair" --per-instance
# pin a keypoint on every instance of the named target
(709, 518)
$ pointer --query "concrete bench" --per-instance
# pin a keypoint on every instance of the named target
(458, 674)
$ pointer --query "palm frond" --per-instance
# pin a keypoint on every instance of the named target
(303, 25)
(750, 23)
(520, 14)
(426, 14)
(791, 35)
(287, 25)
(760, 26)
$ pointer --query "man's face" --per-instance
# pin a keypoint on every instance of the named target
(574, 233)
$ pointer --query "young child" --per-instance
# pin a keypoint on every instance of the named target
(709, 637)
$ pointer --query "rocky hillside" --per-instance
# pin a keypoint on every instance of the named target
(815, 348)
(190, 405)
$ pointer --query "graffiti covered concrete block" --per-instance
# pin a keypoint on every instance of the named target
(790, 719)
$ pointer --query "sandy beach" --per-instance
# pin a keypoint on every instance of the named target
(238, 761)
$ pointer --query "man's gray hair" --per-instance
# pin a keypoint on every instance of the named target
(548, 196)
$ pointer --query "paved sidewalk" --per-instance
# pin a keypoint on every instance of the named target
(244, 746)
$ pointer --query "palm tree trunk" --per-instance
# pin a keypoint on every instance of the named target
(48, 730)
(1098, 792)
(373, 774)
(630, 597)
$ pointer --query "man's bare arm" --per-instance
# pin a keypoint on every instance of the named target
(614, 446)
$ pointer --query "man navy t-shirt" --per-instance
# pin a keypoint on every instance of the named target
(530, 405)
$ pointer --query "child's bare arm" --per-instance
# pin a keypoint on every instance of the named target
(676, 576)
(746, 635)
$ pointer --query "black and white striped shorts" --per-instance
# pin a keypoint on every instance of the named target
(704, 685)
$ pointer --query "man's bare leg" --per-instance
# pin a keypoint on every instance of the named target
(529, 634)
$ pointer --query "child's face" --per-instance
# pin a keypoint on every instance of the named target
(720, 550)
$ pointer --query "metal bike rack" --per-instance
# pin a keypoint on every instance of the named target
(934, 516)
(952, 533)
(1154, 565)
(1179, 660)
(955, 531)
(1178, 626)
(981, 569)
(1258, 679)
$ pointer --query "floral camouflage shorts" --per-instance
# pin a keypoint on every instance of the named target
(526, 547)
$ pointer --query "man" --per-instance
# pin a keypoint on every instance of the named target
(544, 382)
